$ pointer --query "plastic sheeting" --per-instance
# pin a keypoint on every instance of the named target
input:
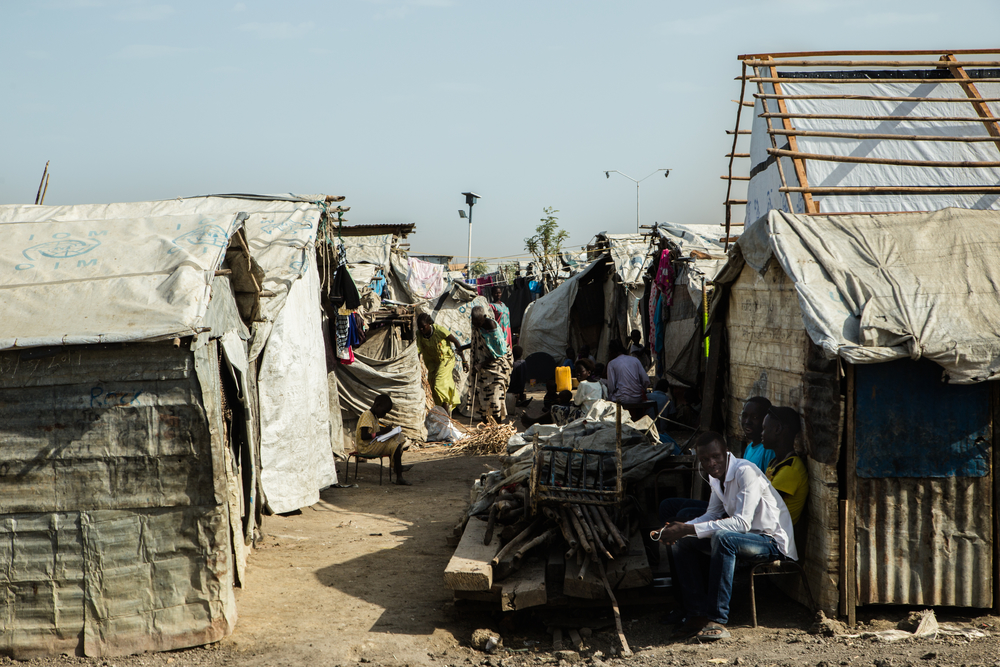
(545, 327)
(296, 452)
(108, 280)
(763, 193)
(877, 288)
(368, 249)
(630, 254)
(399, 377)
(453, 311)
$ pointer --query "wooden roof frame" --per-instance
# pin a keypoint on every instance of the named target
(765, 70)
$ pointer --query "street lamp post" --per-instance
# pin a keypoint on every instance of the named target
(470, 199)
(607, 174)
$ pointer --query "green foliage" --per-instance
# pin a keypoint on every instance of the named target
(479, 268)
(546, 244)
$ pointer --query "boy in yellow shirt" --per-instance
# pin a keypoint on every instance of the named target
(787, 472)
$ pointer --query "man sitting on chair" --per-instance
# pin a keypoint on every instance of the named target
(370, 428)
(746, 520)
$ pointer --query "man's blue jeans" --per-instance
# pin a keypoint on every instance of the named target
(708, 593)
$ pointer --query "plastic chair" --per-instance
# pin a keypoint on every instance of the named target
(770, 568)
(367, 457)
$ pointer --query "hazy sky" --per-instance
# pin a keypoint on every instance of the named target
(401, 105)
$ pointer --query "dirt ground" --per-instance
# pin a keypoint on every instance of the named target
(357, 578)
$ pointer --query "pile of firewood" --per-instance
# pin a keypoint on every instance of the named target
(486, 438)
(588, 531)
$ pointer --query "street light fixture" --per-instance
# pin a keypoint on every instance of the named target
(607, 174)
(470, 200)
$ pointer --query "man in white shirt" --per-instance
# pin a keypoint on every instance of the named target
(746, 520)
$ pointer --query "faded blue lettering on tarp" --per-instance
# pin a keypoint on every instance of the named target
(910, 424)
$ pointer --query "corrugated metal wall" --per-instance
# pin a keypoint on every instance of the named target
(925, 541)
(113, 533)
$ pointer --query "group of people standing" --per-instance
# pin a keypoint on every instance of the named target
(491, 359)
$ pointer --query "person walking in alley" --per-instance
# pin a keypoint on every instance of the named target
(491, 366)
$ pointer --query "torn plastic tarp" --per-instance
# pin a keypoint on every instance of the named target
(545, 327)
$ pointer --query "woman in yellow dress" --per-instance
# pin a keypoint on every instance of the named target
(434, 343)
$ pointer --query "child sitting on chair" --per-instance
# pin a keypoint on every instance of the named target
(369, 428)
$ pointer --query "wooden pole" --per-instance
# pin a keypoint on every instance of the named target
(46, 190)
(786, 79)
(800, 165)
(45, 173)
(735, 178)
(970, 89)
(626, 651)
(900, 190)
(810, 54)
(886, 137)
(876, 98)
(774, 144)
(732, 154)
(960, 164)
(871, 63)
(904, 119)
(850, 582)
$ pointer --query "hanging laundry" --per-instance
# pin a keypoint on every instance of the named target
(665, 277)
(425, 280)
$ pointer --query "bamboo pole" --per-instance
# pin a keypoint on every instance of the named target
(735, 178)
(732, 155)
(873, 98)
(888, 137)
(900, 190)
(915, 119)
(872, 63)
(788, 79)
(809, 54)
(45, 173)
(955, 164)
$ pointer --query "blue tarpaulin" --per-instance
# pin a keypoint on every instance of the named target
(910, 424)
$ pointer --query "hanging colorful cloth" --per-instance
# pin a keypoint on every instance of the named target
(654, 295)
(665, 277)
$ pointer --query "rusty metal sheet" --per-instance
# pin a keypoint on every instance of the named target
(113, 537)
(925, 541)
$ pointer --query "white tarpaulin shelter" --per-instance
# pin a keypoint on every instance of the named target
(545, 326)
(877, 288)
(281, 231)
(109, 280)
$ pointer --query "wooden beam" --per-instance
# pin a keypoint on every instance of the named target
(873, 98)
(469, 568)
(887, 137)
(736, 202)
(732, 155)
(737, 155)
(849, 556)
(810, 54)
(951, 164)
(869, 63)
(739, 132)
(970, 89)
(785, 79)
(903, 119)
(735, 178)
(800, 165)
(995, 427)
(744, 103)
(899, 190)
